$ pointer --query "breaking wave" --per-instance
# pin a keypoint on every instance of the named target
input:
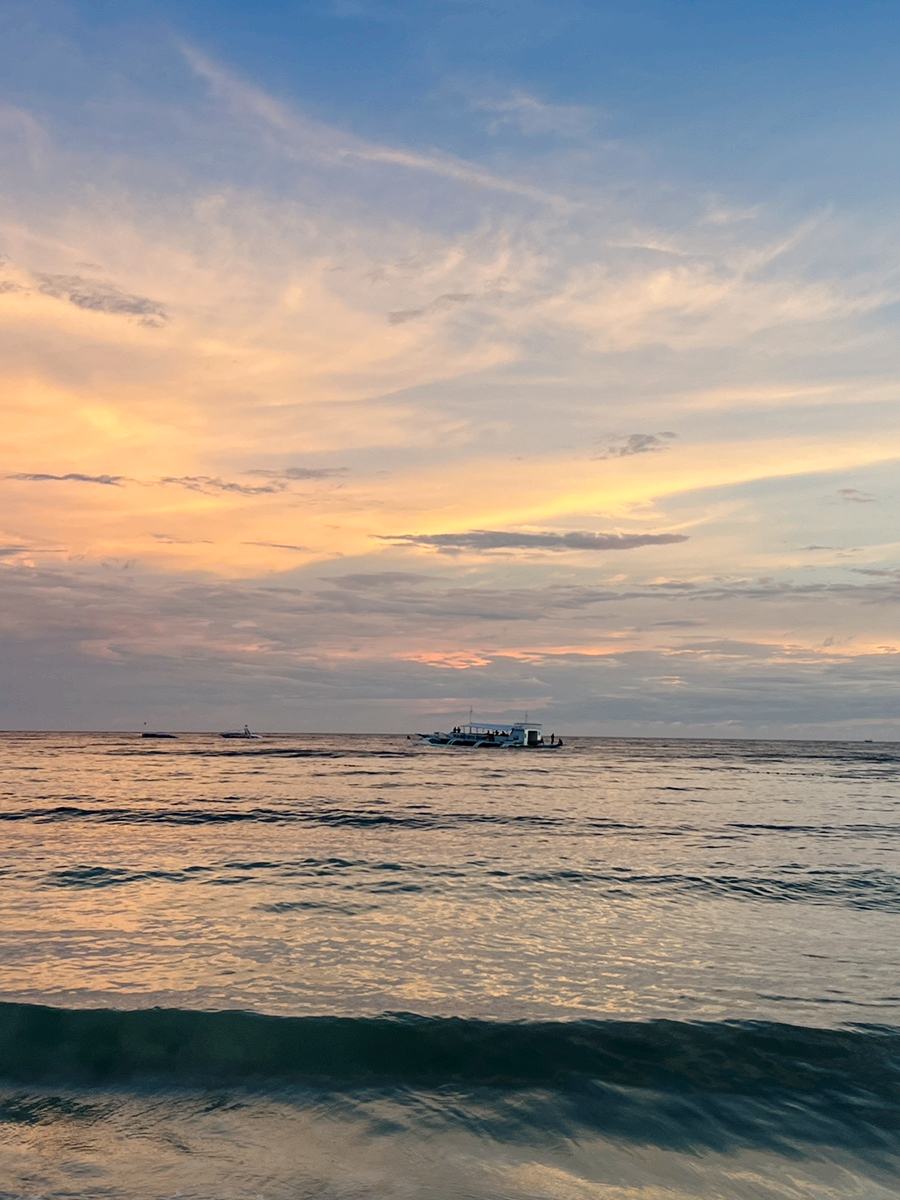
(746, 1058)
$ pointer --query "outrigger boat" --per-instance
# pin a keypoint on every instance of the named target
(481, 735)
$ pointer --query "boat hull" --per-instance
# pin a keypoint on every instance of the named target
(485, 735)
(461, 744)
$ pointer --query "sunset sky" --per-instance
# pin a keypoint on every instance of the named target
(368, 360)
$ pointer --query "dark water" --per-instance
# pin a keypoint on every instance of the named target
(348, 967)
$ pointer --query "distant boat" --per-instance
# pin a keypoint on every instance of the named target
(480, 735)
(244, 734)
(145, 734)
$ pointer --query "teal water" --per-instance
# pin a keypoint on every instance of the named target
(351, 967)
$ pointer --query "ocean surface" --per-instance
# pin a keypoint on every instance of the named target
(350, 967)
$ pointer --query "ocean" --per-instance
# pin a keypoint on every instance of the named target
(352, 967)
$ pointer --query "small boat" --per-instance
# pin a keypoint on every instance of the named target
(480, 735)
(146, 734)
(244, 734)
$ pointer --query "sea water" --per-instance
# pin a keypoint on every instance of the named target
(353, 967)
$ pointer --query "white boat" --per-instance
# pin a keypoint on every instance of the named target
(481, 735)
(243, 733)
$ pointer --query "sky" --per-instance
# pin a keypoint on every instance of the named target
(368, 361)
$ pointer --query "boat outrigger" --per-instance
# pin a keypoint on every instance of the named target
(481, 735)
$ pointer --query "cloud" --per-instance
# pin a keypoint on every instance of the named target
(855, 496)
(368, 580)
(208, 485)
(635, 443)
(290, 474)
(374, 654)
(70, 477)
(495, 539)
(532, 116)
(279, 245)
(205, 484)
(313, 139)
(878, 572)
(681, 623)
(442, 304)
(169, 539)
(101, 297)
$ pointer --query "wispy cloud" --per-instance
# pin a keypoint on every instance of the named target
(97, 296)
(69, 477)
(90, 295)
(209, 485)
(298, 474)
(441, 304)
(878, 572)
(530, 115)
(377, 580)
(205, 484)
(496, 539)
(856, 496)
(302, 135)
(634, 443)
(169, 539)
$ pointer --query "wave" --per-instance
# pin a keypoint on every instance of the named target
(874, 889)
(353, 818)
(417, 817)
(682, 1085)
(745, 1058)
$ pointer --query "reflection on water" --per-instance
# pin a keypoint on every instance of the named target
(369, 1146)
(686, 881)
(308, 875)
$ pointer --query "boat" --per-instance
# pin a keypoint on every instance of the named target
(146, 734)
(244, 734)
(481, 735)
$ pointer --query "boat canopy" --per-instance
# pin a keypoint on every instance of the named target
(501, 725)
